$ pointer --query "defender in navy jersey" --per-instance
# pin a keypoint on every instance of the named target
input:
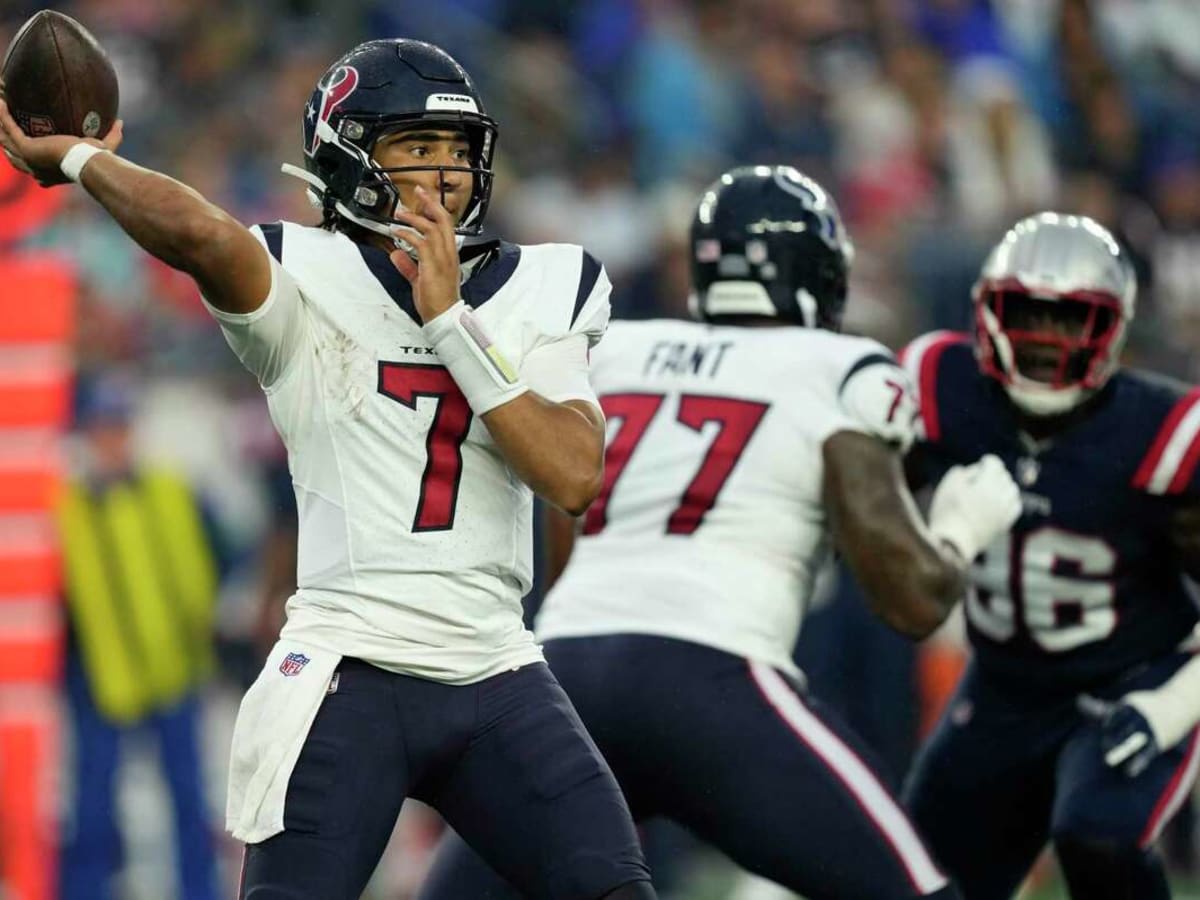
(424, 391)
(1074, 722)
(734, 451)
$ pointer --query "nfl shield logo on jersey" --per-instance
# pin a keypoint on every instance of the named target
(293, 663)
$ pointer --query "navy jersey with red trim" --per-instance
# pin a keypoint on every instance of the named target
(1086, 585)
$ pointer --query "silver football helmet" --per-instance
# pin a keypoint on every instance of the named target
(1052, 307)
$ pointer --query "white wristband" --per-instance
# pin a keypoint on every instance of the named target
(481, 371)
(77, 157)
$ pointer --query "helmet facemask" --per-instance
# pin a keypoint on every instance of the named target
(1050, 351)
(375, 197)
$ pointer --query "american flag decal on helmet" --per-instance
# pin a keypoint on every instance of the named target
(293, 663)
(332, 94)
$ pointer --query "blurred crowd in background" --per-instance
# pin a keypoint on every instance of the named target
(936, 124)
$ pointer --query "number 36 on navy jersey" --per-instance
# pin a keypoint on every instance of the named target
(1086, 584)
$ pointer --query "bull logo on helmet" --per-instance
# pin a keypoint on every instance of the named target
(330, 94)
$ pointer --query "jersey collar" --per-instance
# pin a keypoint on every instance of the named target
(487, 267)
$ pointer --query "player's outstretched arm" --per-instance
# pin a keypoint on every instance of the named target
(167, 218)
(912, 573)
(910, 579)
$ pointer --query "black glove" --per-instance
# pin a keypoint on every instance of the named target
(1126, 738)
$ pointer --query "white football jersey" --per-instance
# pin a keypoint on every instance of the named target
(711, 527)
(415, 543)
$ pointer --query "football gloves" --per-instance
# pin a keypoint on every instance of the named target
(1143, 724)
(973, 505)
(1126, 737)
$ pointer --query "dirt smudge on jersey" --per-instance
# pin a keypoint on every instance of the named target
(349, 370)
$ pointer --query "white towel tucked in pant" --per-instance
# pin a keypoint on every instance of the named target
(272, 724)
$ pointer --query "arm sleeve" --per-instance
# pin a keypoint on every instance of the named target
(558, 371)
(879, 397)
(269, 338)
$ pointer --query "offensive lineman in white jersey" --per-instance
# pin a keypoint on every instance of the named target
(421, 392)
(733, 452)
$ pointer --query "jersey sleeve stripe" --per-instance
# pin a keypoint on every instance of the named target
(589, 271)
(1187, 468)
(273, 234)
(871, 796)
(871, 359)
(1171, 454)
(921, 358)
(1177, 789)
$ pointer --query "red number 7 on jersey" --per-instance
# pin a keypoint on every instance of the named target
(404, 383)
(899, 390)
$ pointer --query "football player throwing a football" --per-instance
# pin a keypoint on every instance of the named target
(425, 390)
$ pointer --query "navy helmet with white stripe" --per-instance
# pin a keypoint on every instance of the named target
(376, 89)
(769, 241)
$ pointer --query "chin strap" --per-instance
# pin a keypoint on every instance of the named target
(316, 192)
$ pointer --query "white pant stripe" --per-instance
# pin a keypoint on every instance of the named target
(862, 783)
(1182, 788)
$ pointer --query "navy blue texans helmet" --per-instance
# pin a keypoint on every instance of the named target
(378, 88)
(769, 241)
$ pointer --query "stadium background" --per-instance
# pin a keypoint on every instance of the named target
(935, 122)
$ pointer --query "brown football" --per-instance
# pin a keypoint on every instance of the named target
(58, 79)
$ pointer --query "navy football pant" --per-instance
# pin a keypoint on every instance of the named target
(736, 753)
(1005, 772)
(505, 761)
